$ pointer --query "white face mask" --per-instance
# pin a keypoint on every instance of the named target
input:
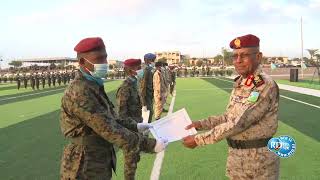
(152, 65)
(100, 70)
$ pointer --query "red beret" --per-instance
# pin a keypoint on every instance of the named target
(246, 41)
(132, 62)
(89, 44)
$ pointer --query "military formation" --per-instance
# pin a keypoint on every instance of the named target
(39, 80)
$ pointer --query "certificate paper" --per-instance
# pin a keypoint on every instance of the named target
(172, 127)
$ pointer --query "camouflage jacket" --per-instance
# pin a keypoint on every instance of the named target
(146, 85)
(87, 111)
(245, 119)
(128, 100)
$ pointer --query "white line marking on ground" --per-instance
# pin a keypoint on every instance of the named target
(203, 89)
(30, 94)
(155, 174)
(302, 102)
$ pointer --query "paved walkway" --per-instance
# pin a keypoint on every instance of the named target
(307, 91)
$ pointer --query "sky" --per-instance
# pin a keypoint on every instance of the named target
(131, 28)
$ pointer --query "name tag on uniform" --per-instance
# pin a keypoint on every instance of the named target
(254, 95)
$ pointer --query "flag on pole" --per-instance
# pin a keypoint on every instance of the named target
(303, 66)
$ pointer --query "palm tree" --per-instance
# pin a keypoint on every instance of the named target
(312, 52)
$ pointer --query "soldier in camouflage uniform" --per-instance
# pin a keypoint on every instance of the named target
(53, 77)
(32, 80)
(49, 79)
(90, 123)
(58, 75)
(250, 119)
(37, 78)
(25, 80)
(172, 79)
(159, 91)
(146, 84)
(18, 79)
(43, 80)
(128, 99)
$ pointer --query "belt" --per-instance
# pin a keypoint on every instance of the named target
(90, 141)
(248, 144)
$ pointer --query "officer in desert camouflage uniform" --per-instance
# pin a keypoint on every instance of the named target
(128, 99)
(250, 119)
(159, 91)
(146, 84)
(90, 123)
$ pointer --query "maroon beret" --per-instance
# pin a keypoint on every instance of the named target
(132, 62)
(89, 44)
(246, 41)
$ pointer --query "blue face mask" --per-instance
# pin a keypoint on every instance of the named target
(89, 77)
(100, 70)
(140, 74)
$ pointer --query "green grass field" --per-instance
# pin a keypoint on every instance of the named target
(31, 141)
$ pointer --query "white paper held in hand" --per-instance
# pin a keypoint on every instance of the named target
(172, 127)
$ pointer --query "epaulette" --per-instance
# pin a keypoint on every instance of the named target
(235, 79)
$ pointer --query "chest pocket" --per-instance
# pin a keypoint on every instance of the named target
(134, 100)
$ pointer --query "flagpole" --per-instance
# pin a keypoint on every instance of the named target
(301, 50)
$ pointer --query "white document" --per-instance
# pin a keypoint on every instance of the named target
(172, 127)
(145, 116)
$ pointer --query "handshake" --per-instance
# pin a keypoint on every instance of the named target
(161, 144)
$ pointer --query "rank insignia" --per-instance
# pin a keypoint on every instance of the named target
(249, 80)
(258, 81)
(237, 43)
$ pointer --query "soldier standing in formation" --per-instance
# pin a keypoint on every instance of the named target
(158, 90)
(32, 81)
(172, 79)
(251, 118)
(64, 78)
(146, 85)
(37, 78)
(49, 78)
(25, 81)
(128, 99)
(53, 77)
(18, 81)
(43, 80)
(90, 123)
(59, 78)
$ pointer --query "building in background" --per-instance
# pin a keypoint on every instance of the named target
(172, 57)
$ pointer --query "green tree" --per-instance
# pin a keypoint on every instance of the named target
(312, 52)
(16, 64)
(227, 56)
(199, 63)
(218, 58)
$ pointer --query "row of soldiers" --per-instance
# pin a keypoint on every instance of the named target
(145, 89)
(43, 78)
